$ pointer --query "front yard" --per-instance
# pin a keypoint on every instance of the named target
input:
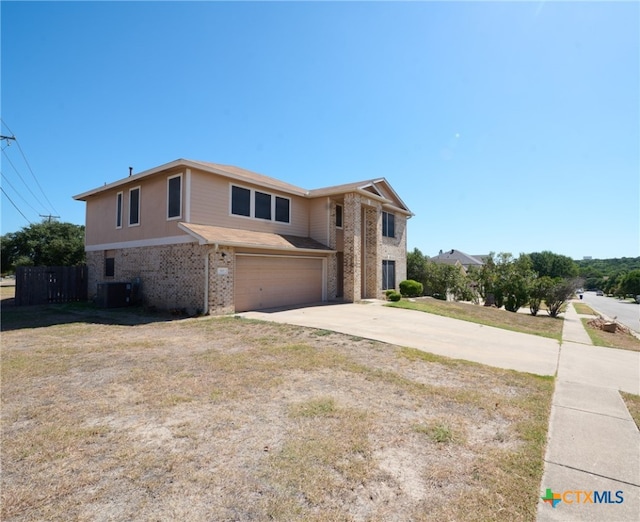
(542, 324)
(230, 419)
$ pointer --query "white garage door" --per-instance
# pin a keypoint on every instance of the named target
(272, 281)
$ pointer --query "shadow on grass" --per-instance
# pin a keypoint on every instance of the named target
(23, 317)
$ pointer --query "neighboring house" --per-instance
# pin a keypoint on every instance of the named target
(452, 257)
(220, 239)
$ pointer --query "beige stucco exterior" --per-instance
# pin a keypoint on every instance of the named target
(189, 261)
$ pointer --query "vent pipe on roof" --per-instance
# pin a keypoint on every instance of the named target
(130, 171)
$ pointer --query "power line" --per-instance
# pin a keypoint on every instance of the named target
(16, 207)
(28, 165)
(22, 179)
(16, 191)
(34, 177)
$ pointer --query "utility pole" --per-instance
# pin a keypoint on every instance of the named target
(49, 217)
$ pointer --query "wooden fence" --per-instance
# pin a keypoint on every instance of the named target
(37, 285)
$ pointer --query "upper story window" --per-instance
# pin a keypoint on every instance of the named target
(240, 201)
(260, 205)
(388, 225)
(174, 197)
(283, 206)
(119, 196)
(134, 206)
(339, 216)
(263, 205)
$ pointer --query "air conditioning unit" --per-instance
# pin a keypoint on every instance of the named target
(114, 295)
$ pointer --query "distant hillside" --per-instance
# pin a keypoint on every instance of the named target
(606, 274)
(607, 267)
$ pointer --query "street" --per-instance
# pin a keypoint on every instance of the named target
(627, 312)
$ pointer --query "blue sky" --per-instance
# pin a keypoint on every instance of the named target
(504, 126)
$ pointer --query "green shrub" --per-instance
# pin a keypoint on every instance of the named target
(394, 296)
(387, 293)
(411, 288)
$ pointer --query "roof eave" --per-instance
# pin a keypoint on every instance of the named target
(296, 191)
(241, 244)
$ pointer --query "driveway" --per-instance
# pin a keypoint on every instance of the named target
(431, 333)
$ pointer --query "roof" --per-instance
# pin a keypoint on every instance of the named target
(212, 235)
(457, 255)
(228, 171)
(374, 188)
(447, 261)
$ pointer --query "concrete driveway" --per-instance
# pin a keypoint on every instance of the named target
(428, 332)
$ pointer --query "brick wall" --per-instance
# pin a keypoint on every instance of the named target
(332, 260)
(395, 248)
(372, 259)
(171, 276)
(352, 226)
(221, 274)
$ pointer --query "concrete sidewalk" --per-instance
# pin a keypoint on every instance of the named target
(593, 443)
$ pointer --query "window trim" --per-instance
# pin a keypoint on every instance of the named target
(385, 224)
(252, 204)
(388, 262)
(341, 207)
(231, 213)
(179, 216)
(131, 190)
(119, 209)
(275, 209)
(255, 205)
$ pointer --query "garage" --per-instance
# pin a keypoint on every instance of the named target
(263, 281)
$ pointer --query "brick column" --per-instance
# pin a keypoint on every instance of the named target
(221, 274)
(372, 254)
(352, 226)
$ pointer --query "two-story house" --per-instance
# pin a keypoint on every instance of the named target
(220, 239)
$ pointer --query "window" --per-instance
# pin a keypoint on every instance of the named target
(240, 201)
(388, 225)
(282, 209)
(260, 205)
(263, 205)
(134, 206)
(109, 267)
(339, 216)
(174, 197)
(388, 275)
(119, 210)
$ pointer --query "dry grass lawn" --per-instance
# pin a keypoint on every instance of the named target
(230, 419)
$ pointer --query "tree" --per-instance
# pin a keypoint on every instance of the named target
(443, 281)
(630, 284)
(558, 293)
(417, 266)
(517, 279)
(539, 289)
(50, 243)
(547, 263)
